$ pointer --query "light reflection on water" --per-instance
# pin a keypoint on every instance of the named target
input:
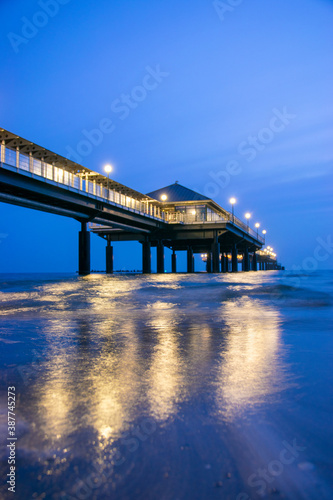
(117, 349)
(250, 367)
(115, 345)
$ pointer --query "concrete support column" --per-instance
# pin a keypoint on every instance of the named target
(190, 260)
(227, 262)
(146, 257)
(160, 256)
(84, 250)
(216, 254)
(254, 262)
(109, 258)
(234, 260)
(246, 260)
(173, 261)
(209, 262)
(224, 268)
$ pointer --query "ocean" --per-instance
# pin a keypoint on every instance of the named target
(167, 387)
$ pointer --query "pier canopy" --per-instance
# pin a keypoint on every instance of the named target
(182, 204)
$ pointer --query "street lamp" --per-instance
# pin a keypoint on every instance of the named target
(247, 217)
(164, 197)
(232, 201)
(264, 233)
(257, 225)
(108, 169)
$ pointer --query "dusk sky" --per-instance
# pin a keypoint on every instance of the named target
(249, 84)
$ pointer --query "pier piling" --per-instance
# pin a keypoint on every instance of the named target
(160, 256)
(109, 258)
(146, 257)
(234, 259)
(190, 260)
(84, 250)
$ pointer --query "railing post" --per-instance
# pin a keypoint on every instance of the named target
(31, 163)
(3, 152)
(17, 158)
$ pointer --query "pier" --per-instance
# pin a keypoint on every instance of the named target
(173, 217)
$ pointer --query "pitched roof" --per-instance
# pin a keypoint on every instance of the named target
(177, 192)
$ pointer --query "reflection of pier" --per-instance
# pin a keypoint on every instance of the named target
(174, 217)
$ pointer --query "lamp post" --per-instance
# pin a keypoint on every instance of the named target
(257, 225)
(247, 217)
(108, 170)
(232, 201)
(164, 197)
(264, 233)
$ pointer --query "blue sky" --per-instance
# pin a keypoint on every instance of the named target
(226, 75)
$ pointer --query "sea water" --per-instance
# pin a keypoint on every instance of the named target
(168, 386)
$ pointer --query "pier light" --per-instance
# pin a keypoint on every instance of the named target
(108, 170)
(247, 217)
(164, 197)
(232, 201)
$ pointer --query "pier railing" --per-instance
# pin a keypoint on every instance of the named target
(182, 218)
(79, 182)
